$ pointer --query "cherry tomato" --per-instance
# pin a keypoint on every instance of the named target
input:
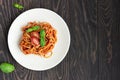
(35, 40)
(35, 34)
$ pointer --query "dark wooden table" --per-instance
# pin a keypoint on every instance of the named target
(94, 53)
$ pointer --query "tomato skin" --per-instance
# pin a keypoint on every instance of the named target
(35, 34)
(35, 41)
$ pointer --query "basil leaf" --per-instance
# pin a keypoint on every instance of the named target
(18, 6)
(42, 38)
(7, 67)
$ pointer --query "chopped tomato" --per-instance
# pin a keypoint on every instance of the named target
(35, 34)
(35, 41)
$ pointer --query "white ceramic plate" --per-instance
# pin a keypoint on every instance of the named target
(35, 62)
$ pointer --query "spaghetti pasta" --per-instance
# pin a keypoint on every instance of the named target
(30, 41)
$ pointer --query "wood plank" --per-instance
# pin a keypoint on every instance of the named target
(109, 39)
(83, 55)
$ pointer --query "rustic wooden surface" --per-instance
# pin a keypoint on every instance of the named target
(94, 53)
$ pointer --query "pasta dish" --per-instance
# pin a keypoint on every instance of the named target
(38, 38)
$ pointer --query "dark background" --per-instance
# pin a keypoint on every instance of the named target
(94, 53)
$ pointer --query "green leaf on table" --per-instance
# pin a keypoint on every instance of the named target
(7, 67)
(18, 6)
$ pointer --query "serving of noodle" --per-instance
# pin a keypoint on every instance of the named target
(26, 45)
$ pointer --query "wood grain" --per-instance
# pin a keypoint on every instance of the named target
(109, 36)
(95, 39)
